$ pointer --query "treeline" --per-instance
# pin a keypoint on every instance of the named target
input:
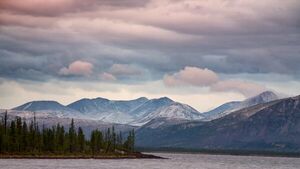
(16, 136)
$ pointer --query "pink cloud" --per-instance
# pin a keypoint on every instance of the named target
(60, 7)
(40, 7)
(191, 76)
(77, 68)
(246, 88)
(107, 77)
(195, 76)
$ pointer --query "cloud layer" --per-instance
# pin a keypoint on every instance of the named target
(142, 41)
(159, 35)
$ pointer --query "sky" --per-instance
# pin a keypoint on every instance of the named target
(199, 52)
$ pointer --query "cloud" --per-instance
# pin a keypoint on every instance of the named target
(191, 76)
(38, 7)
(77, 68)
(60, 7)
(107, 77)
(246, 88)
(199, 77)
(124, 70)
(156, 37)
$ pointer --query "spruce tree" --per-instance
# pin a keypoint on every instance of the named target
(24, 139)
(81, 140)
(12, 137)
(72, 137)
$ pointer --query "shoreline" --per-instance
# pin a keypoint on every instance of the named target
(229, 152)
(107, 157)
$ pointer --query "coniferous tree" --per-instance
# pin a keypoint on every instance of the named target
(31, 136)
(12, 137)
(18, 133)
(81, 140)
(61, 138)
(21, 138)
(114, 139)
(72, 137)
(5, 122)
(120, 139)
(108, 141)
(1, 136)
(132, 140)
(24, 139)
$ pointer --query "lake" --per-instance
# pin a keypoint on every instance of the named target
(175, 161)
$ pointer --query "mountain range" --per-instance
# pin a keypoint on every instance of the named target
(136, 112)
(271, 126)
(262, 122)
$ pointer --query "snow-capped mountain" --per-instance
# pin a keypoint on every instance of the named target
(151, 106)
(221, 109)
(271, 127)
(229, 107)
(47, 108)
(264, 97)
(174, 110)
(99, 105)
(135, 112)
(108, 110)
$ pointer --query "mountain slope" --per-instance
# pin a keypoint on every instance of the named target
(49, 108)
(107, 110)
(172, 111)
(226, 107)
(229, 107)
(151, 106)
(270, 126)
(264, 97)
(99, 105)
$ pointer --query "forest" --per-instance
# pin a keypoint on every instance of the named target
(18, 137)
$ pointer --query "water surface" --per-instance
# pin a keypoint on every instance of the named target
(175, 161)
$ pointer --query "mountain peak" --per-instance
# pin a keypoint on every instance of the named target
(45, 102)
(170, 110)
(40, 105)
(263, 97)
(100, 99)
(142, 98)
(269, 94)
(164, 99)
(229, 107)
